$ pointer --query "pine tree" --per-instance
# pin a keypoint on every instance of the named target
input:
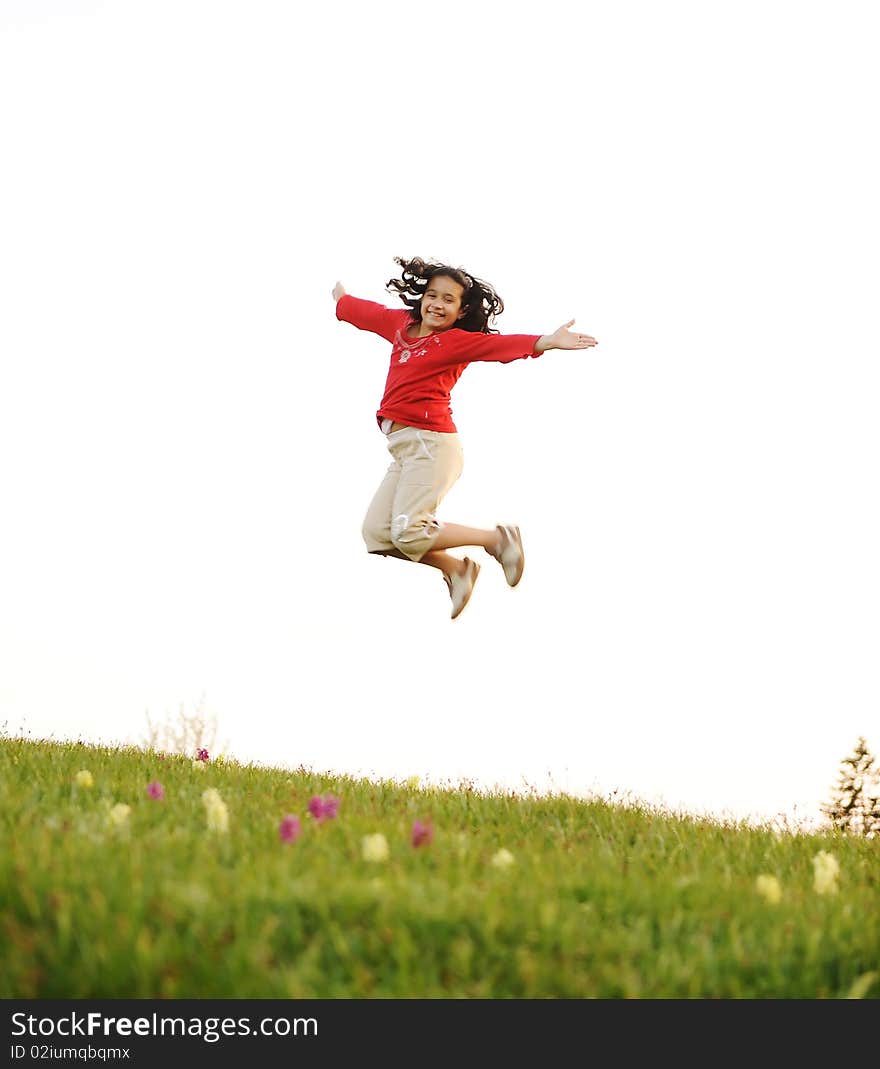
(854, 807)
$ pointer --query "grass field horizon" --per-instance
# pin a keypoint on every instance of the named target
(130, 873)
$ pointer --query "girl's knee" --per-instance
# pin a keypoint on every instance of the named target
(376, 538)
(413, 536)
(400, 528)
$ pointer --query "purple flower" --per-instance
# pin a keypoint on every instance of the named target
(202, 754)
(324, 808)
(155, 790)
(422, 833)
(289, 829)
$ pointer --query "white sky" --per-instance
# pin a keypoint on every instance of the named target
(187, 438)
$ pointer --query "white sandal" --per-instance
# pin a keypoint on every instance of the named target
(510, 553)
(462, 586)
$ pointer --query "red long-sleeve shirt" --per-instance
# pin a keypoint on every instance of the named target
(424, 370)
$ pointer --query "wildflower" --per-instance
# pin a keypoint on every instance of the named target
(769, 888)
(502, 859)
(324, 808)
(155, 790)
(826, 869)
(289, 829)
(215, 811)
(218, 818)
(422, 834)
(199, 765)
(413, 783)
(84, 779)
(201, 754)
(374, 847)
(118, 815)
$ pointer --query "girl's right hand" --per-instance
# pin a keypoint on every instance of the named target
(338, 291)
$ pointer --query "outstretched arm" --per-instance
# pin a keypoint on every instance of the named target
(563, 338)
(368, 315)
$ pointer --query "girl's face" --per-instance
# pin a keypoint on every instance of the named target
(441, 304)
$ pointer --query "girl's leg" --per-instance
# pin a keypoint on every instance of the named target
(428, 465)
(504, 544)
(376, 528)
(453, 536)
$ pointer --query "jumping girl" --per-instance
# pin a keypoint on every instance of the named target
(444, 327)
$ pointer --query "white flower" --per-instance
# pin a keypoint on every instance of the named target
(374, 847)
(503, 859)
(200, 766)
(216, 813)
(118, 815)
(769, 888)
(218, 818)
(826, 869)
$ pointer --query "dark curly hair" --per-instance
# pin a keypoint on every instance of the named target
(480, 303)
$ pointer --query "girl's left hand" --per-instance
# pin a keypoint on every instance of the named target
(563, 338)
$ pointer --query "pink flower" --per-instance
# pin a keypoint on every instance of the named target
(289, 829)
(324, 808)
(202, 755)
(422, 834)
(155, 790)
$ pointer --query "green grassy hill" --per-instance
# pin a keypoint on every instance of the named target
(126, 873)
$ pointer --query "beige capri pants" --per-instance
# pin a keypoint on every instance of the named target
(401, 520)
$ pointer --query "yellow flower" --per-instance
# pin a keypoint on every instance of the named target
(826, 869)
(118, 815)
(769, 888)
(413, 783)
(216, 813)
(374, 847)
(84, 779)
(218, 818)
(503, 859)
